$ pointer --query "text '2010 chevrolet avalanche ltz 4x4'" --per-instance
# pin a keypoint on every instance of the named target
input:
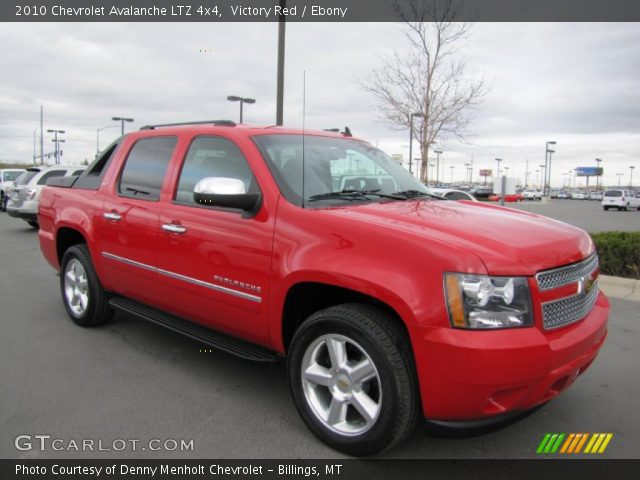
(388, 304)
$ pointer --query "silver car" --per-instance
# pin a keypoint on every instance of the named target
(25, 195)
(7, 177)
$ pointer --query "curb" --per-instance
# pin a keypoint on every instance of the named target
(619, 287)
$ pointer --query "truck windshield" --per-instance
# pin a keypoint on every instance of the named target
(336, 171)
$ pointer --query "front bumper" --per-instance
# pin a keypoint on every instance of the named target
(469, 375)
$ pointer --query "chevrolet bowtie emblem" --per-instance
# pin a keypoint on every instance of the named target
(585, 285)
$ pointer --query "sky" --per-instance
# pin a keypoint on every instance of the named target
(575, 83)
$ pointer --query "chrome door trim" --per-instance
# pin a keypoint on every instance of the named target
(129, 262)
(184, 278)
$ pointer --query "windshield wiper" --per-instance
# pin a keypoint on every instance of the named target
(354, 195)
(137, 191)
(416, 193)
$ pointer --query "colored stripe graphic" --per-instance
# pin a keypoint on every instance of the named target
(583, 439)
(573, 443)
(598, 442)
(543, 443)
(568, 442)
(550, 443)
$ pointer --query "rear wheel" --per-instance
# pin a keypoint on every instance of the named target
(352, 378)
(33, 224)
(84, 298)
(605, 208)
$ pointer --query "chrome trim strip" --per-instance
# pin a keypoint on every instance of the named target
(184, 278)
(212, 286)
(129, 262)
(574, 271)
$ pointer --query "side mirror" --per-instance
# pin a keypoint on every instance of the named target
(226, 193)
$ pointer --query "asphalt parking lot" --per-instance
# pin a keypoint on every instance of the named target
(586, 214)
(132, 380)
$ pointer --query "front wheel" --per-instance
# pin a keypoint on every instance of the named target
(84, 298)
(352, 378)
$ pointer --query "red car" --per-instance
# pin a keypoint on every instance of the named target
(509, 198)
(387, 303)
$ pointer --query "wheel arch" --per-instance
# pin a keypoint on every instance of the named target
(67, 237)
(304, 298)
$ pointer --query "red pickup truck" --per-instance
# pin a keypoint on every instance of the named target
(388, 304)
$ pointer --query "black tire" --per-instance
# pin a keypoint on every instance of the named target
(387, 345)
(605, 208)
(33, 224)
(97, 310)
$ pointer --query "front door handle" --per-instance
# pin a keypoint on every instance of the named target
(113, 216)
(173, 228)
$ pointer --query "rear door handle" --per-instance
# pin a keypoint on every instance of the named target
(173, 228)
(113, 216)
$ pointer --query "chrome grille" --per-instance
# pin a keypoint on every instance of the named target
(564, 275)
(567, 310)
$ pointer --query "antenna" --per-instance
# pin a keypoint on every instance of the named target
(304, 112)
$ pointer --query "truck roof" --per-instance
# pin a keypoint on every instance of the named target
(217, 125)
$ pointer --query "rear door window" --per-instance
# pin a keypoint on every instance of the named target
(26, 177)
(146, 168)
(51, 174)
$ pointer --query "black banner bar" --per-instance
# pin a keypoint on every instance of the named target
(543, 468)
(318, 10)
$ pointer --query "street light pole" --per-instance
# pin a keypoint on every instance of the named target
(57, 141)
(280, 74)
(121, 120)
(98, 130)
(451, 179)
(498, 160)
(631, 176)
(619, 175)
(598, 160)
(547, 171)
(411, 141)
(242, 100)
(547, 167)
(543, 177)
(34, 145)
(437, 152)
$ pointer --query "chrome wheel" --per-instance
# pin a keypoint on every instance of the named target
(341, 384)
(76, 287)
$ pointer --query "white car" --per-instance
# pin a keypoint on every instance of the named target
(531, 194)
(621, 199)
(25, 194)
(578, 195)
(595, 195)
(7, 177)
(451, 194)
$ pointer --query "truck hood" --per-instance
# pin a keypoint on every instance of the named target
(507, 241)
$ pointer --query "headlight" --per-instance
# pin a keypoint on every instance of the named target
(481, 302)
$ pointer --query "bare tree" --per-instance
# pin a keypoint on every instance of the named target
(430, 80)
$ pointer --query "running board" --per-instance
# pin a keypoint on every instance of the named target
(228, 344)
